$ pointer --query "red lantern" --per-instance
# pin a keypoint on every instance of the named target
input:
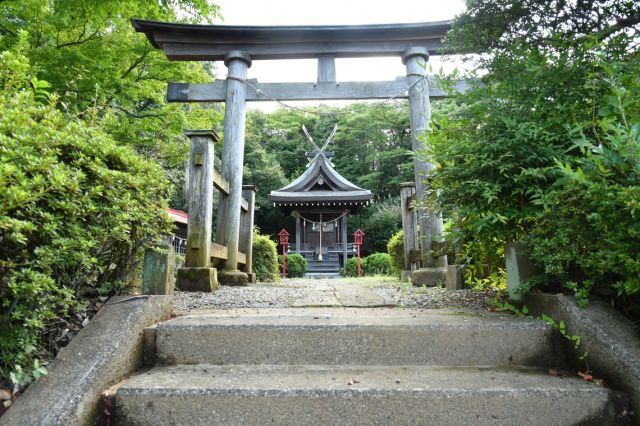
(357, 240)
(284, 236)
(357, 237)
(284, 241)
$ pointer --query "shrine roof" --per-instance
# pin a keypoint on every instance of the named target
(213, 42)
(320, 184)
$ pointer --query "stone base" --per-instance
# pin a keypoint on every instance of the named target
(252, 277)
(455, 277)
(519, 268)
(159, 266)
(234, 278)
(429, 276)
(197, 279)
(405, 275)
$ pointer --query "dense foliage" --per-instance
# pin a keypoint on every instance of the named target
(378, 264)
(546, 148)
(296, 265)
(76, 209)
(265, 258)
(593, 237)
(94, 61)
(395, 248)
(379, 221)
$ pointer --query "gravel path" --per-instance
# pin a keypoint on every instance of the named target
(315, 292)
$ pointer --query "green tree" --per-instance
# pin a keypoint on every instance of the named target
(94, 60)
(373, 147)
(262, 169)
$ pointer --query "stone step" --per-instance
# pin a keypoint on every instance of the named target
(323, 263)
(347, 336)
(294, 395)
(327, 268)
(322, 275)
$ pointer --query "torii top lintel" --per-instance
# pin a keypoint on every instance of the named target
(189, 42)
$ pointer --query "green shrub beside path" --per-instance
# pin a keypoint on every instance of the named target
(265, 258)
(75, 210)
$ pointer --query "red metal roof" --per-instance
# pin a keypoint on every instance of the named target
(178, 216)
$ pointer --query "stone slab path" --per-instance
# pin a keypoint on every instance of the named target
(336, 292)
(370, 292)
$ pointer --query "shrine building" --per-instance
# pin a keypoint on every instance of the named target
(320, 200)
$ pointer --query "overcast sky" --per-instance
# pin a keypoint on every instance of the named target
(336, 12)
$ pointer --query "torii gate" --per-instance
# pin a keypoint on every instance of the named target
(238, 46)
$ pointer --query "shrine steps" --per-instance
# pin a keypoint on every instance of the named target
(350, 366)
(328, 267)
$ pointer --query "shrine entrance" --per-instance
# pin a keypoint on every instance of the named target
(238, 46)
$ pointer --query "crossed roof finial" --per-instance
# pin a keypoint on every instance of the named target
(320, 151)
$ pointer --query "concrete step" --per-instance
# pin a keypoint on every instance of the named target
(347, 336)
(294, 395)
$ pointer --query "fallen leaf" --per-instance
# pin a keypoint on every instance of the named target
(586, 376)
(557, 373)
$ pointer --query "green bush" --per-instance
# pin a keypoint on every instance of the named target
(546, 151)
(378, 264)
(590, 237)
(352, 267)
(375, 264)
(395, 247)
(265, 258)
(296, 265)
(75, 210)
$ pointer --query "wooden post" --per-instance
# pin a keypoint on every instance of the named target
(298, 237)
(344, 237)
(197, 273)
(228, 227)
(200, 197)
(431, 226)
(246, 229)
(409, 227)
(321, 229)
(326, 69)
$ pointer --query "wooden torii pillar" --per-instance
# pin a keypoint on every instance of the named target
(228, 225)
(237, 46)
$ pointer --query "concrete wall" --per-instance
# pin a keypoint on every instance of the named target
(611, 340)
(109, 348)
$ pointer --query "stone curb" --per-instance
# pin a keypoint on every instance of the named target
(612, 342)
(103, 353)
